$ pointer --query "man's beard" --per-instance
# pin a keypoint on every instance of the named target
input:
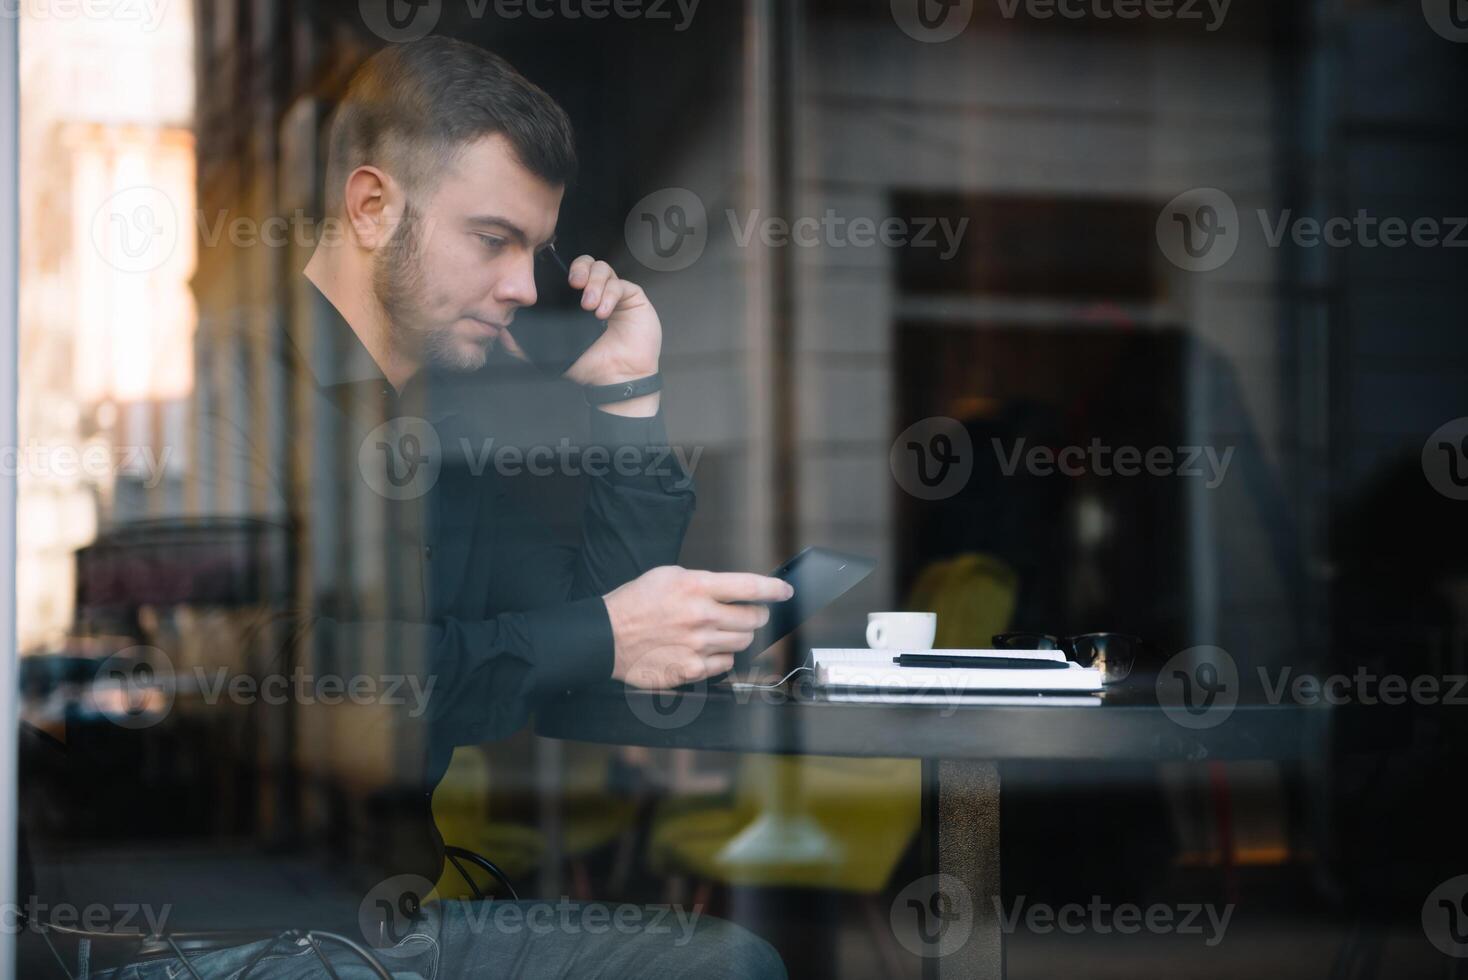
(397, 283)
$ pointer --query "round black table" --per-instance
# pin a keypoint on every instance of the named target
(960, 742)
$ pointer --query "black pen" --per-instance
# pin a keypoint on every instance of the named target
(982, 663)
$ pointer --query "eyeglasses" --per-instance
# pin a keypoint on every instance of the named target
(1114, 654)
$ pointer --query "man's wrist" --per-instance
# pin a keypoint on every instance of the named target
(623, 391)
(620, 374)
(644, 404)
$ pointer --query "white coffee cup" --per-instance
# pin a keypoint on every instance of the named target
(901, 630)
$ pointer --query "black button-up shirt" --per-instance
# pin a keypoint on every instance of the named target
(430, 550)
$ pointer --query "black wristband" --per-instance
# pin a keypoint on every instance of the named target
(622, 391)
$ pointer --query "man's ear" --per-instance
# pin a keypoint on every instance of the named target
(373, 203)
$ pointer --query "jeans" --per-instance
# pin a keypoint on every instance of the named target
(464, 940)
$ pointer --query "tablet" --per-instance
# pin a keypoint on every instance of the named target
(820, 576)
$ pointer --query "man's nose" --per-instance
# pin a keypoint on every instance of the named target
(518, 284)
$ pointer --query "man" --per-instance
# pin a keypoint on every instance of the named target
(446, 171)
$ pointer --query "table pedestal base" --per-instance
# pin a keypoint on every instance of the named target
(961, 834)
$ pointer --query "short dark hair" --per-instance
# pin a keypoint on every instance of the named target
(411, 107)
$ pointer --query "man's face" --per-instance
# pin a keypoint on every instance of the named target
(463, 259)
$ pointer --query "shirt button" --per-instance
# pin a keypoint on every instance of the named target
(428, 552)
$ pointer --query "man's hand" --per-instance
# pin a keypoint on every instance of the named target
(675, 626)
(633, 341)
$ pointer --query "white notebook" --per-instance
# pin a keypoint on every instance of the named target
(862, 669)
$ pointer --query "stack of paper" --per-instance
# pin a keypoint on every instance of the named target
(855, 669)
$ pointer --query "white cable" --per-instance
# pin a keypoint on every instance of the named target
(746, 685)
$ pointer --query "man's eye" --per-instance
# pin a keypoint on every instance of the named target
(491, 242)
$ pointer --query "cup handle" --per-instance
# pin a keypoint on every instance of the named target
(875, 634)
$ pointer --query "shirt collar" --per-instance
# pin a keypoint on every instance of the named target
(343, 370)
(335, 356)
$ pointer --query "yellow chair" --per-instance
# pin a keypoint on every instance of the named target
(461, 811)
(973, 595)
(469, 814)
(828, 822)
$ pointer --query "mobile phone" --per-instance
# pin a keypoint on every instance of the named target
(820, 577)
(556, 331)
